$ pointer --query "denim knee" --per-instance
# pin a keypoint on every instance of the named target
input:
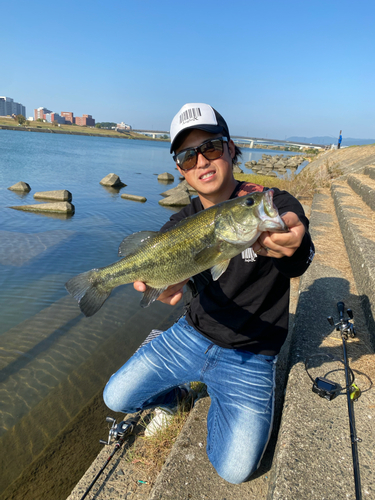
(236, 472)
(110, 399)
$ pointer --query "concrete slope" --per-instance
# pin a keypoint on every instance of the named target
(347, 160)
(313, 457)
(355, 203)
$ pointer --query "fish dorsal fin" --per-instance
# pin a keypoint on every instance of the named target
(150, 295)
(134, 241)
(219, 269)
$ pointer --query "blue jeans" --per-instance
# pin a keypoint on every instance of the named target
(240, 384)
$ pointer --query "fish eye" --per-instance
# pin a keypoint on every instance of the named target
(249, 202)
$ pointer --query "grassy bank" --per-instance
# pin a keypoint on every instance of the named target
(302, 185)
(71, 129)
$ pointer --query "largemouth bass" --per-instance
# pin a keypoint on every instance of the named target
(208, 239)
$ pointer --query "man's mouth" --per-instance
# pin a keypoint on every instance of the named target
(207, 175)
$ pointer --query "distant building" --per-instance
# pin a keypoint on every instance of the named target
(85, 121)
(123, 126)
(69, 117)
(10, 107)
(54, 117)
(39, 114)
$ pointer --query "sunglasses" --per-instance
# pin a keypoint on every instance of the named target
(211, 150)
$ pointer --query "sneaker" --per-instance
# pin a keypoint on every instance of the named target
(163, 416)
(162, 419)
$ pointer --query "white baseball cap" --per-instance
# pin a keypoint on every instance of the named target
(198, 115)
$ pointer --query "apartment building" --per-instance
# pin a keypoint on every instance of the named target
(8, 107)
(69, 117)
(54, 117)
(123, 126)
(39, 114)
(85, 121)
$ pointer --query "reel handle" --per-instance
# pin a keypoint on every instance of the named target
(340, 308)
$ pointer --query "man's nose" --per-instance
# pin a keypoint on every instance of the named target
(202, 161)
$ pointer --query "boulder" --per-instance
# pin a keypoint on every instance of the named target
(20, 186)
(178, 199)
(112, 180)
(133, 197)
(60, 195)
(166, 177)
(181, 188)
(280, 165)
(188, 187)
(59, 207)
(237, 169)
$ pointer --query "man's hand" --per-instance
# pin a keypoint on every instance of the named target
(171, 295)
(279, 245)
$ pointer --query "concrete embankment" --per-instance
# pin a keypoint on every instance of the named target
(309, 455)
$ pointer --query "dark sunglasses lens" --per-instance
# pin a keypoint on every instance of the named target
(212, 149)
(187, 159)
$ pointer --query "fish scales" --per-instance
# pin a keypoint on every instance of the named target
(152, 261)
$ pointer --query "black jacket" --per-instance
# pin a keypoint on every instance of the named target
(248, 306)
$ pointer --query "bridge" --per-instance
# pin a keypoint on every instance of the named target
(243, 140)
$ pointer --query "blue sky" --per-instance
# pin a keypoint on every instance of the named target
(272, 68)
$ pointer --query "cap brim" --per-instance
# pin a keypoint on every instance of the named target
(212, 129)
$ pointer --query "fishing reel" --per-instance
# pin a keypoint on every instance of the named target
(344, 326)
(324, 387)
(118, 431)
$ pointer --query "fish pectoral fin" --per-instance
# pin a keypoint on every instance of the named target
(219, 269)
(134, 241)
(207, 255)
(150, 295)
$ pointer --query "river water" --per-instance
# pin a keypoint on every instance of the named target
(53, 360)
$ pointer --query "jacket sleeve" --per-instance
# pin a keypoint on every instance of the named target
(298, 263)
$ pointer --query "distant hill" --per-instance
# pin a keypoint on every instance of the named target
(326, 140)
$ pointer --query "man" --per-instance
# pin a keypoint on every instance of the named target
(340, 140)
(235, 326)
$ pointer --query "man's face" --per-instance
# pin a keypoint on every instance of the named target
(213, 179)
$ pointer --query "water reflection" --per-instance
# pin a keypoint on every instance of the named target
(52, 359)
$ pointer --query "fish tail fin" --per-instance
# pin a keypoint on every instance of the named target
(84, 289)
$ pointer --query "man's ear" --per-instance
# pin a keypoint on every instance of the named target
(232, 149)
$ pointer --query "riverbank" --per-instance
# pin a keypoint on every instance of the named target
(48, 128)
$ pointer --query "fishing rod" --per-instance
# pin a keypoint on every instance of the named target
(118, 432)
(329, 390)
(346, 329)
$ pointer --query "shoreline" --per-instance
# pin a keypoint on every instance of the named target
(113, 135)
(129, 135)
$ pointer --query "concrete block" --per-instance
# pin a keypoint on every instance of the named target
(112, 180)
(20, 186)
(179, 199)
(59, 195)
(165, 177)
(59, 207)
(133, 197)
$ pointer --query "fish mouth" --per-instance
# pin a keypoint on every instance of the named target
(269, 215)
(207, 175)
